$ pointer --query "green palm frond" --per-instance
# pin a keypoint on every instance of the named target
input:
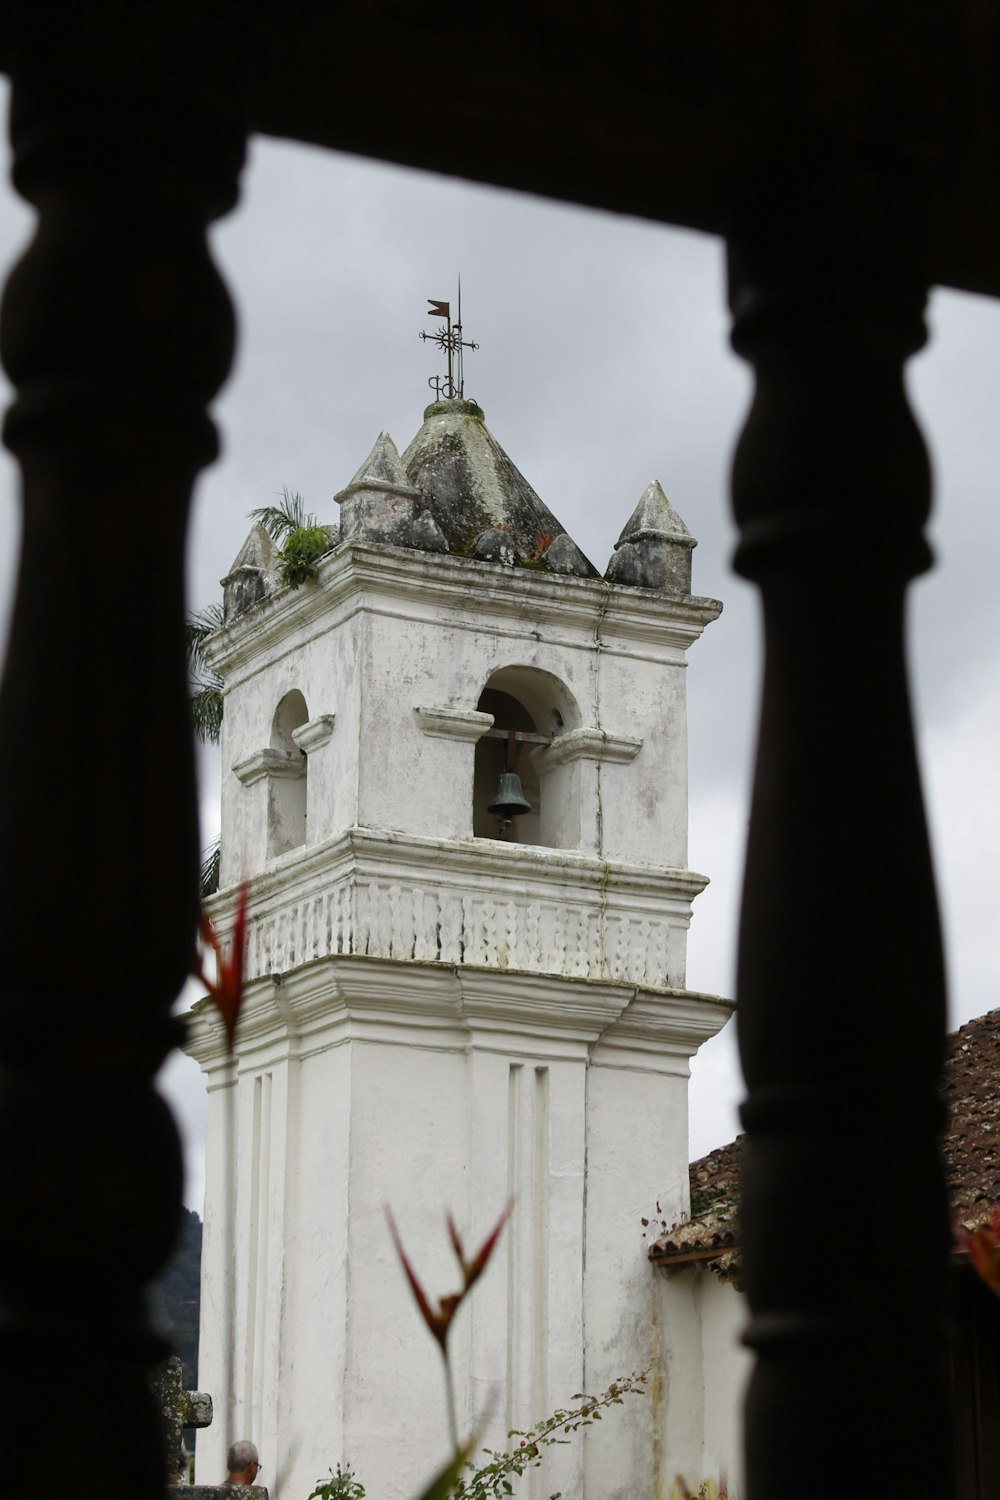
(209, 877)
(279, 521)
(199, 625)
(206, 710)
(204, 685)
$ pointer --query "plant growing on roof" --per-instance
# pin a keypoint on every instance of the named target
(279, 521)
(302, 551)
(542, 544)
(303, 540)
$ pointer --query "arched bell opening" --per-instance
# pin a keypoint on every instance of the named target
(529, 708)
(287, 803)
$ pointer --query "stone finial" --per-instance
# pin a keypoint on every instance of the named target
(379, 504)
(564, 556)
(495, 545)
(654, 549)
(253, 575)
(425, 534)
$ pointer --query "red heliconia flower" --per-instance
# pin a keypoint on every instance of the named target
(227, 988)
(439, 1319)
(474, 1268)
(983, 1246)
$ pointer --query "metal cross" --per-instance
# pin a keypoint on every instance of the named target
(449, 338)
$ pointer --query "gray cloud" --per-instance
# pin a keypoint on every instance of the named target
(603, 364)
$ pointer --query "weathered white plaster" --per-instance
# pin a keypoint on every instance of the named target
(702, 1370)
(435, 1020)
(363, 1082)
(424, 634)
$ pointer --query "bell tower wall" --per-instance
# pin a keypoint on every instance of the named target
(392, 652)
(447, 1007)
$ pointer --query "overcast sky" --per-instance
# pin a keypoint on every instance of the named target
(603, 363)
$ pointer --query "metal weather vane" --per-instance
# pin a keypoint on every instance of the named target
(449, 339)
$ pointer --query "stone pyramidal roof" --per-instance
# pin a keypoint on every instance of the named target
(471, 487)
(455, 490)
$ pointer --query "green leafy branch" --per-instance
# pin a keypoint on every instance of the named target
(493, 1479)
(301, 552)
(341, 1485)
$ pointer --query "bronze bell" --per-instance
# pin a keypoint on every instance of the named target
(510, 801)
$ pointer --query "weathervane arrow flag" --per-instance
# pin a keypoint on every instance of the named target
(438, 309)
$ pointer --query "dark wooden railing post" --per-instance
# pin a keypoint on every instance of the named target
(116, 332)
(840, 986)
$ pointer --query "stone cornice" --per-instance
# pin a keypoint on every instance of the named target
(354, 998)
(299, 871)
(419, 585)
(661, 1029)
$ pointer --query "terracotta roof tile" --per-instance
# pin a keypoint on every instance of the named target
(971, 1147)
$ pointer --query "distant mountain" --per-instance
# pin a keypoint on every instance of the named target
(175, 1297)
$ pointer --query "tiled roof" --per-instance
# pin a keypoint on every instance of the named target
(971, 1148)
(972, 1141)
(712, 1234)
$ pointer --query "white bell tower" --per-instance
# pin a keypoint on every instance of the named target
(448, 1008)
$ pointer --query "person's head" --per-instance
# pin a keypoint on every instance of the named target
(242, 1464)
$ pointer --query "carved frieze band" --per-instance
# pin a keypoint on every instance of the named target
(524, 932)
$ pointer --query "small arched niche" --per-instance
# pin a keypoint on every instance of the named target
(534, 704)
(287, 792)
